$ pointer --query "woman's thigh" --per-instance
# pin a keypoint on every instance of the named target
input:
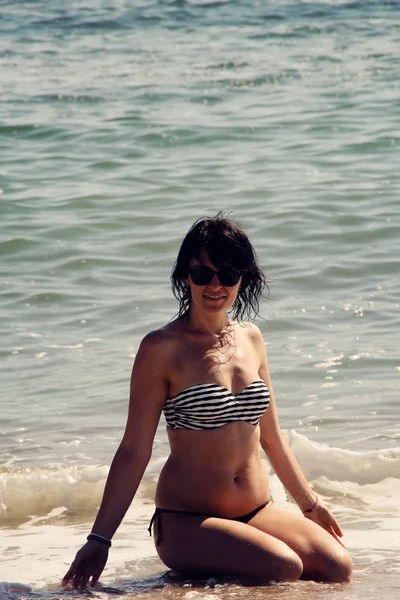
(210, 545)
(323, 557)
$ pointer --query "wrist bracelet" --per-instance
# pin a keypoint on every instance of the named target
(99, 538)
(309, 510)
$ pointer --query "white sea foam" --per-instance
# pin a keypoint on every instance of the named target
(337, 464)
(340, 474)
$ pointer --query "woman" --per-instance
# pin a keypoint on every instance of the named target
(209, 374)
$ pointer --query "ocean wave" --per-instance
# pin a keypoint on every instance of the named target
(341, 475)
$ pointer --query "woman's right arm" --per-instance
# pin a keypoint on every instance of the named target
(148, 390)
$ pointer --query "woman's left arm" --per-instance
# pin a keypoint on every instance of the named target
(283, 460)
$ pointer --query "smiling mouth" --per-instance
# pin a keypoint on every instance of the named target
(209, 297)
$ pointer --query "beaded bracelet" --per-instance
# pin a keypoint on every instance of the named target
(99, 538)
(309, 510)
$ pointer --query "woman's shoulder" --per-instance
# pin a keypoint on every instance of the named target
(161, 338)
(252, 330)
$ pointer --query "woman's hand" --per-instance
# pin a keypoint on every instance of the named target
(321, 515)
(89, 563)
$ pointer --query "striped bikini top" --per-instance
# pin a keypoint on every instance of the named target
(209, 405)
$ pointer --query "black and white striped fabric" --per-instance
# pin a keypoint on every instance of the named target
(209, 405)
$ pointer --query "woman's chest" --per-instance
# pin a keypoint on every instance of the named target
(233, 367)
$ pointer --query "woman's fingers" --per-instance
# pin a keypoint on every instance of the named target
(336, 532)
(71, 575)
(96, 576)
(337, 528)
(78, 579)
(334, 526)
(88, 565)
(67, 577)
(332, 531)
(84, 582)
(323, 517)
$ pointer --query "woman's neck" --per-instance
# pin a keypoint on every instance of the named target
(215, 324)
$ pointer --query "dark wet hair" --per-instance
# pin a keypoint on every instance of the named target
(226, 245)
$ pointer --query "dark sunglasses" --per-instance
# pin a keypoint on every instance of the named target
(203, 276)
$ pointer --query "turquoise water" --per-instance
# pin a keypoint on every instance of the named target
(120, 124)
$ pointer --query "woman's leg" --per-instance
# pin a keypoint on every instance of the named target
(323, 557)
(211, 546)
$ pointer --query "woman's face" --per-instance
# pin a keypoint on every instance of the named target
(213, 296)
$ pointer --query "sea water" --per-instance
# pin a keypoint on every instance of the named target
(121, 122)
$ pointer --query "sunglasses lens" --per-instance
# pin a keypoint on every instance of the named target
(201, 275)
(228, 277)
(204, 275)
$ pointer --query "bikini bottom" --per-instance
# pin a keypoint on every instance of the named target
(159, 511)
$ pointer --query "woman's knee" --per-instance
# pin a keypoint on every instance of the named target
(344, 568)
(339, 568)
(286, 568)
